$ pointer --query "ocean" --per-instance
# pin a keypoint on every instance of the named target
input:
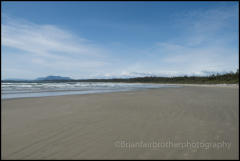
(19, 90)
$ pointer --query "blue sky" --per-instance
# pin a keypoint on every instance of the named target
(118, 39)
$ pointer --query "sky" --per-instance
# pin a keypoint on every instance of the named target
(118, 39)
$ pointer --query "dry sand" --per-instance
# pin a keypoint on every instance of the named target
(103, 126)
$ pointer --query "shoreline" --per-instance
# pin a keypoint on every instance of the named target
(212, 85)
(102, 92)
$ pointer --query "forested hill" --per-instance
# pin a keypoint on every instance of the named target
(228, 78)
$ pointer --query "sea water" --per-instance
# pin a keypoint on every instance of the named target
(18, 90)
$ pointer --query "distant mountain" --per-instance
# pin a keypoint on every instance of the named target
(53, 78)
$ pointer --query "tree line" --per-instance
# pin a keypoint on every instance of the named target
(228, 78)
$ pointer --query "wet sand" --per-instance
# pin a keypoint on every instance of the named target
(117, 125)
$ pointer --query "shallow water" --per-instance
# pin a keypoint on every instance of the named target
(18, 90)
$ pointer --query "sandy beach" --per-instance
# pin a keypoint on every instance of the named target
(120, 125)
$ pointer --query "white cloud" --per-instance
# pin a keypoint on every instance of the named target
(41, 39)
(209, 42)
(48, 47)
